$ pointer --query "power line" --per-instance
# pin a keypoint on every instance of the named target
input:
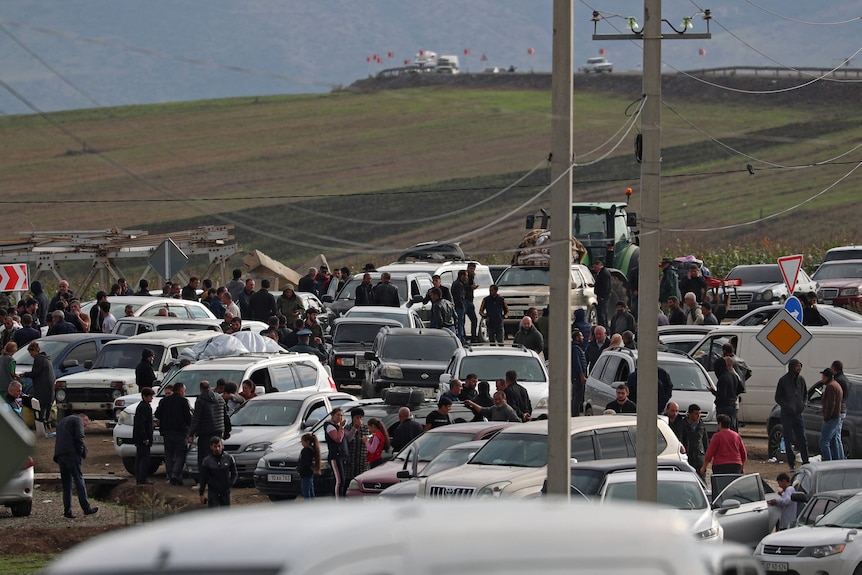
(789, 19)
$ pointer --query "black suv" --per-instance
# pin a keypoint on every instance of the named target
(408, 357)
(351, 338)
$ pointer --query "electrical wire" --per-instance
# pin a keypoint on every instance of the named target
(783, 17)
(620, 141)
(629, 118)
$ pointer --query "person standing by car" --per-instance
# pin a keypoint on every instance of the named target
(144, 373)
(469, 302)
(443, 315)
(500, 411)
(262, 303)
(602, 288)
(142, 435)
(790, 395)
(69, 451)
(174, 416)
(494, 309)
(289, 304)
(42, 376)
(725, 390)
(695, 438)
(726, 450)
(386, 293)
(838, 373)
(579, 372)
(528, 336)
(832, 397)
(622, 404)
(309, 464)
(209, 419)
(407, 429)
(440, 416)
(459, 297)
(669, 286)
(336, 443)
(376, 442)
(517, 396)
(437, 283)
(364, 293)
(784, 500)
(218, 472)
(355, 433)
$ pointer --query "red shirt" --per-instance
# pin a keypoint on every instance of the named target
(726, 447)
(375, 446)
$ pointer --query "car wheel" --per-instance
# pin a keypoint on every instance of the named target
(281, 497)
(22, 508)
(858, 570)
(129, 464)
(154, 466)
(847, 442)
(776, 435)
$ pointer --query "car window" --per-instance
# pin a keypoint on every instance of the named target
(599, 367)
(318, 411)
(493, 367)
(306, 373)
(193, 377)
(127, 355)
(745, 489)
(582, 447)
(430, 445)
(587, 481)
(284, 378)
(623, 371)
(515, 449)
(611, 370)
(180, 311)
(82, 352)
(338, 402)
(197, 312)
(613, 444)
(813, 511)
(418, 347)
(446, 278)
(661, 441)
(355, 333)
(126, 328)
(267, 413)
(424, 285)
(839, 479)
(770, 274)
(686, 376)
(801, 481)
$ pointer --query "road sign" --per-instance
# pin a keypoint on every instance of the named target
(790, 266)
(783, 336)
(168, 259)
(794, 307)
(13, 277)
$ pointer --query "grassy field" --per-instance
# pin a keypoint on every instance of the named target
(358, 176)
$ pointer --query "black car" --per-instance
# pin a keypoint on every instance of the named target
(276, 475)
(813, 417)
(818, 476)
(408, 357)
(351, 338)
(820, 503)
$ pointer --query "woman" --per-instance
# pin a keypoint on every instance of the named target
(377, 442)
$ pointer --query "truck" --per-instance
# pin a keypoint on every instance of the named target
(426, 60)
(448, 65)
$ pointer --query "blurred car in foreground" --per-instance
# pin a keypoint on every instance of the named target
(450, 457)
(17, 494)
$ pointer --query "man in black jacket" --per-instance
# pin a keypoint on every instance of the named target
(385, 293)
(725, 390)
(790, 394)
(69, 451)
(517, 396)
(209, 419)
(602, 288)
(262, 303)
(364, 292)
(144, 373)
(174, 417)
(142, 435)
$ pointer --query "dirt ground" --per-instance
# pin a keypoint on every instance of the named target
(48, 533)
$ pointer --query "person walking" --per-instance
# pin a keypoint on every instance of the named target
(142, 435)
(209, 419)
(790, 394)
(218, 473)
(832, 396)
(69, 452)
(726, 450)
(174, 417)
(494, 309)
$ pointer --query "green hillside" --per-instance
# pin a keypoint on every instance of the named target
(358, 175)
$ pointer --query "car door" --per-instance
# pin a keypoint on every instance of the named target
(284, 378)
(749, 522)
(615, 373)
(306, 374)
(813, 417)
(595, 392)
(76, 355)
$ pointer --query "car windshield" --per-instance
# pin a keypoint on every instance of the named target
(587, 481)
(266, 413)
(419, 348)
(355, 333)
(687, 376)
(430, 445)
(192, 378)
(447, 460)
(849, 478)
(126, 355)
(400, 317)
(494, 367)
(676, 494)
(515, 449)
(521, 276)
(50, 348)
(757, 274)
(847, 515)
(839, 270)
(348, 292)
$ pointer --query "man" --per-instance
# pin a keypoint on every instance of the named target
(468, 390)
(830, 446)
(708, 317)
(42, 376)
(125, 289)
(517, 396)
(838, 373)
(108, 319)
(59, 324)
(144, 373)
(244, 299)
(454, 392)
(69, 451)
(63, 292)
(622, 320)
(790, 395)
(596, 346)
(306, 282)
(622, 404)
(693, 282)
(42, 302)
(469, 301)
(443, 315)
(129, 310)
(726, 450)
(15, 399)
(213, 301)
(693, 315)
(9, 330)
(665, 388)
(230, 306)
(500, 411)
(142, 435)
(810, 313)
(27, 333)
(209, 419)
(528, 336)
(579, 372)
(322, 280)
(236, 285)
(316, 329)
(174, 417)
(143, 288)
(669, 284)
(262, 303)
(304, 345)
(440, 416)
(725, 390)
(674, 420)
(437, 283)
(364, 293)
(386, 293)
(289, 304)
(407, 429)
(218, 472)
(789, 508)
(495, 310)
(629, 340)
(695, 438)
(459, 297)
(234, 324)
(190, 291)
(602, 288)
(343, 276)
(96, 313)
(31, 306)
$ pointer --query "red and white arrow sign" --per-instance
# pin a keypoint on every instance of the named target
(14, 277)
(790, 266)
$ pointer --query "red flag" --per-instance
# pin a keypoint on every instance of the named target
(530, 51)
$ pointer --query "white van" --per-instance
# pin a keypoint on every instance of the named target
(826, 345)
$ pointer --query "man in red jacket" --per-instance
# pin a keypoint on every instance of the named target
(830, 445)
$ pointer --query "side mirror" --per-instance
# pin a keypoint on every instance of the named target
(88, 364)
(416, 299)
(309, 423)
(445, 378)
(259, 389)
(727, 505)
(327, 299)
(70, 363)
(403, 474)
(799, 497)
(369, 355)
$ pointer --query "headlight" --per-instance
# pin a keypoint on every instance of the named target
(849, 292)
(710, 533)
(353, 485)
(766, 295)
(261, 463)
(61, 395)
(543, 403)
(391, 372)
(494, 490)
(262, 446)
(822, 551)
(117, 393)
(345, 361)
(125, 419)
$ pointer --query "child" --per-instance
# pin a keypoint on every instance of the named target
(789, 511)
(309, 464)
(218, 472)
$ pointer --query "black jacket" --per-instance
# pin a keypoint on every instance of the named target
(602, 287)
(725, 387)
(210, 416)
(70, 438)
(517, 397)
(144, 374)
(262, 305)
(386, 294)
(143, 427)
(364, 294)
(791, 391)
(174, 415)
(217, 473)
(405, 432)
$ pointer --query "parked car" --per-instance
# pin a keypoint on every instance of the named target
(598, 65)
(830, 545)
(411, 290)
(587, 477)
(813, 418)
(820, 504)
(405, 316)
(818, 476)
(129, 326)
(681, 338)
(152, 306)
(830, 316)
(853, 252)
(742, 505)
(17, 494)
(840, 282)
(68, 352)
(762, 284)
(351, 337)
(450, 457)
(416, 454)
(407, 357)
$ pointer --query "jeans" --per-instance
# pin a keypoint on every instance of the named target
(176, 446)
(829, 444)
(460, 324)
(70, 472)
(470, 312)
(794, 432)
(306, 485)
(602, 312)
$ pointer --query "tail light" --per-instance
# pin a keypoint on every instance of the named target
(332, 385)
(30, 463)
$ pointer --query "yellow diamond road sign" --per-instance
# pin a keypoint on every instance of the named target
(783, 336)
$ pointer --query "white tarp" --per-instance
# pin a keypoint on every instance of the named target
(225, 345)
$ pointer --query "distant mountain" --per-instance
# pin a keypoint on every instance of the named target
(88, 53)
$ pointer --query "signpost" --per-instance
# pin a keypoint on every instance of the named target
(794, 307)
(14, 277)
(168, 259)
(783, 336)
(790, 266)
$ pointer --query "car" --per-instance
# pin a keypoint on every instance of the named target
(129, 326)
(820, 504)
(151, 306)
(853, 252)
(513, 464)
(491, 362)
(681, 338)
(450, 457)
(818, 476)
(839, 283)
(587, 477)
(830, 545)
(276, 475)
(69, 352)
(416, 454)
(17, 493)
(761, 285)
(264, 419)
(403, 356)
(691, 382)
(812, 415)
(829, 315)
(273, 372)
(405, 316)
(598, 65)
(742, 505)
(412, 287)
(679, 494)
(351, 337)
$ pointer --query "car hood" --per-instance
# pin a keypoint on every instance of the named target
(136, 397)
(524, 290)
(98, 375)
(477, 476)
(245, 435)
(289, 448)
(418, 365)
(351, 347)
(806, 536)
(750, 287)
(387, 473)
(405, 489)
(840, 283)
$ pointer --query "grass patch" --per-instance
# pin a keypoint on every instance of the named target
(24, 564)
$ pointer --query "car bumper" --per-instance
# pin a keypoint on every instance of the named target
(348, 375)
(124, 446)
(737, 310)
(854, 302)
(786, 565)
(19, 488)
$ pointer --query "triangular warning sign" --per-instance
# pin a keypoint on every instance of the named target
(790, 266)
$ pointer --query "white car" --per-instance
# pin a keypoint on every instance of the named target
(151, 306)
(598, 65)
(831, 546)
(17, 494)
(407, 317)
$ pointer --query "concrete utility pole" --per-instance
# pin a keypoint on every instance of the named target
(559, 444)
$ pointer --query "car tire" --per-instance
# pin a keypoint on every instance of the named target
(281, 497)
(776, 434)
(22, 508)
(129, 464)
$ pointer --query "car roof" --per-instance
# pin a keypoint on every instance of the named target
(157, 319)
(169, 337)
(575, 424)
(624, 463)
(301, 394)
(470, 427)
(831, 263)
(377, 309)
(487, 349)
(80, 336)
(366, 321)
(423, 331)
(819, 466)
(243, 360)
(663, 356)
(661, 474)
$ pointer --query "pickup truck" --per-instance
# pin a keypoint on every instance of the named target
(598, 65)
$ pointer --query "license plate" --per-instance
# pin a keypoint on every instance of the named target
(770, 566)
(278, 478)
(737, 307)
(827, 301)
(158, 439)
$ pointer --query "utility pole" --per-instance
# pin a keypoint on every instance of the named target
(559, 348)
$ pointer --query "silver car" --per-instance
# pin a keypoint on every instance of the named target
(17, 494)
